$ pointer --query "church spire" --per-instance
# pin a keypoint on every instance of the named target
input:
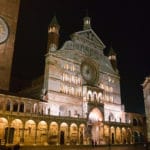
(53, 34)
(86, 22)
(54, 21)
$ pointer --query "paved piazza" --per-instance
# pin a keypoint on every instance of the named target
(114, 147)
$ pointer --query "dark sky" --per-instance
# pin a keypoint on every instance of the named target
(125, 24)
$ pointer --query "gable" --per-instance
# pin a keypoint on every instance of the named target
(87, 42)
(90, 38)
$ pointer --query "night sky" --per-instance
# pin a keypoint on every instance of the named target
(122, 24)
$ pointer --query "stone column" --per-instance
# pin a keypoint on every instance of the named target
(22, 134)
(35, 138)
(8, 132)
(58, 140)
(11, 106)
(48, 125)
(115, 136)
(18, 106)
(4, 103)
(31, 108)
(68, 135)
(121, 135)
(78, 135)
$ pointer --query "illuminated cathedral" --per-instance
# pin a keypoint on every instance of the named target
(80, 98)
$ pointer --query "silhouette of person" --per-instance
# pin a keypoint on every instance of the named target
(17, 146)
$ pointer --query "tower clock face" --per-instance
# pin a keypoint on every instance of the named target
(3, 30)
(89, 72)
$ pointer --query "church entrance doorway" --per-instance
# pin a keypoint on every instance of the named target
(95, 119)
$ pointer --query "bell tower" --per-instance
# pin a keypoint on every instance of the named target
(8, 25)
(53, 35)
(86, 23)
(51, 71)
(112, 58)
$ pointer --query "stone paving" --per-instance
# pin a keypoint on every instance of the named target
(112, 147)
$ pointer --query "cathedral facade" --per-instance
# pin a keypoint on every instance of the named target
(80, 101)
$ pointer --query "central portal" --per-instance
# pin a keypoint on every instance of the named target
(95, 119)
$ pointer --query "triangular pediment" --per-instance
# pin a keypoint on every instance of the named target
(90, 36)
(87, 42)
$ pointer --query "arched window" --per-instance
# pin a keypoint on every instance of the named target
(1, 105)
(35, 108)
(139, 122)
(111, 117)
(94, 97)
(100, 95)
(15, 106)
(21, 107)
(8, 106)
(135, 122)
(28, 108)
(89, 97)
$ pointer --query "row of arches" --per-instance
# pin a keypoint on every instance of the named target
(106, 88)
(31, 132)
(39, 108)
(75, 91)
(137, 122)
(61, 132)
(99, 97)
(71, 78)
(23, 106)
(94, 96)
(111, 134)
(108, 134)
(27, 106)
(70, 67)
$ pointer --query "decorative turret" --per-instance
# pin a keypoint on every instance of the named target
(87, 23)
(53, 35)
(112, 58)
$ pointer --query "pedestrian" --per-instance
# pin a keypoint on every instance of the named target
(95, 143)
(146, 146)
(17, 146)
(92, 143)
